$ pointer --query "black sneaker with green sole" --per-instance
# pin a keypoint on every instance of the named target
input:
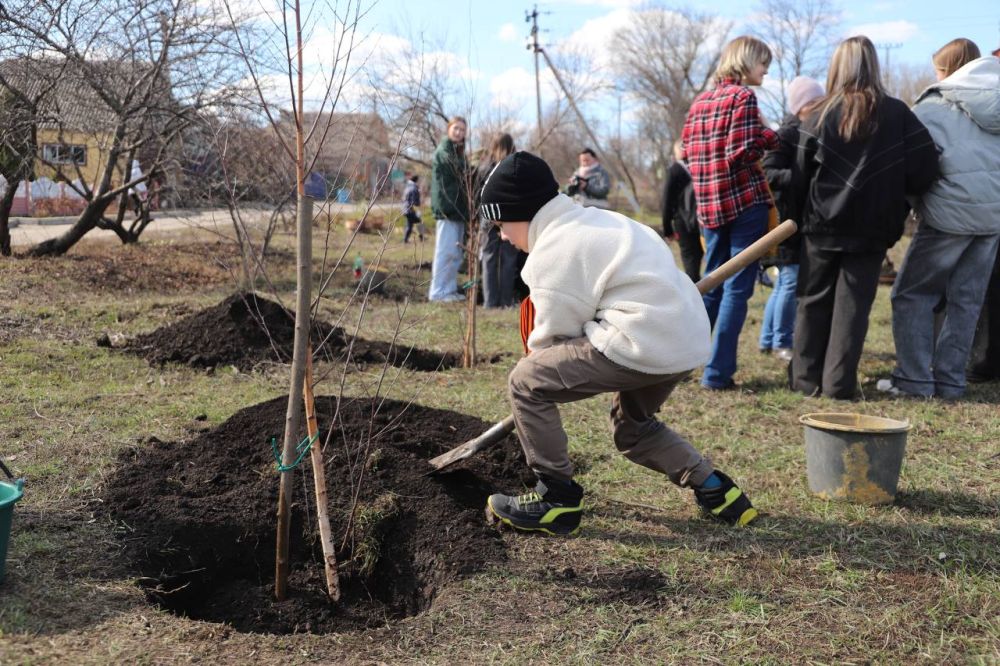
(553, 507)
(726, 502)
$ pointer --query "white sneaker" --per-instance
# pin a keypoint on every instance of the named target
(886, 386)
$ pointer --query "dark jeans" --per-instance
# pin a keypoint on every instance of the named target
(499, 270)
(412, 220)
(689, 243)
(984, 361)
(836, 293)
(938, 265)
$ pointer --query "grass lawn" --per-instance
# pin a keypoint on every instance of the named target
(646, 581)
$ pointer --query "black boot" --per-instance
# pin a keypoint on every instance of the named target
(554, 507)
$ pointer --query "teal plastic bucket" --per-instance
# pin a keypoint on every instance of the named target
(9, 494)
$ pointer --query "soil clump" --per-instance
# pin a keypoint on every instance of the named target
(245, 330)
(197, 518)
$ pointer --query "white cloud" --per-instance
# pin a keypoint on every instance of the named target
(594, 36)
(512, 87)
(886, 31)
(508, 33)
(515, 87)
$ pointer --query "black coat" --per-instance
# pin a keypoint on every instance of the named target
(856, 196)
(679, 214)
(788, 186)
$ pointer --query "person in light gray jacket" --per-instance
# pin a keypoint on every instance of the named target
(952, 252)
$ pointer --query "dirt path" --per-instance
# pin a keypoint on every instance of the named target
(27, 231)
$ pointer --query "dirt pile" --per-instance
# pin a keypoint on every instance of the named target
(197, 518)
(245, 330)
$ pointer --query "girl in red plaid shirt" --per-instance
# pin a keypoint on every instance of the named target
(724, 140)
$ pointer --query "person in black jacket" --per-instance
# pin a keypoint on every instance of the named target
(786, 182)
(680, 219)
(499, 258)
(862, 152)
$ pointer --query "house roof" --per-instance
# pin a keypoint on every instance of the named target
(66, 98)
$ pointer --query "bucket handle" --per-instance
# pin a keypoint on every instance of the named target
(6, 470)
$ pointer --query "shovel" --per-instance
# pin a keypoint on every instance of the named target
(751, 254)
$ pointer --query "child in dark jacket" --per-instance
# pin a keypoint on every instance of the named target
(612, 314)
(788, 189)
(411, 206)
(680, 217)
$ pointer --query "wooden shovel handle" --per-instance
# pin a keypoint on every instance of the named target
(751, 254)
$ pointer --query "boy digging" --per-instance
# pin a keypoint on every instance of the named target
(612, 314)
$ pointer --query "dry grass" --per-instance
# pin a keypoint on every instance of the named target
(646, 581)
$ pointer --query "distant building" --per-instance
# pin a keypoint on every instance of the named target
(72, 127)
(352, 151)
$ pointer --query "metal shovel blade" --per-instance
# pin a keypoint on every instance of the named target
(497, 432)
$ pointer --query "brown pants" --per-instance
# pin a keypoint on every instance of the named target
(574, 370)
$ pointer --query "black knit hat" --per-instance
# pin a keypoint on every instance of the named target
(517, 188)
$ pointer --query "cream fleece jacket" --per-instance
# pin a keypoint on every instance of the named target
(596, 273)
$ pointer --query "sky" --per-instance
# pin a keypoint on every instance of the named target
(485, 40)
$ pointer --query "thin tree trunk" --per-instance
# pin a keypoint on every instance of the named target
(472, 295)
(5, 205)
(319, 483)
(293, 416)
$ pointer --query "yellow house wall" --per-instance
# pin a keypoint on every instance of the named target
(96, 145)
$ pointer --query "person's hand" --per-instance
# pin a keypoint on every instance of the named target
(671, 237)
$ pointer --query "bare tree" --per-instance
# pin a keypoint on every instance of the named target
(132, 75)
(416, 88)
(17, 151)
(665, 58)
(801, 34)
(907, 81)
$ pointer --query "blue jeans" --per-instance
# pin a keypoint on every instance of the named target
(779, 313)
(727, 303)
(939, 265)
(447, 258)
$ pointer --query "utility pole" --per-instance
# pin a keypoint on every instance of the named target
(536, 49)
(887, 71)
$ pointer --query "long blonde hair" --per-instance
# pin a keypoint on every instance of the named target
(854, 86)
(740, 56)
(954, 55)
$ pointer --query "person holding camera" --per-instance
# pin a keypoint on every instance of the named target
(590, 183)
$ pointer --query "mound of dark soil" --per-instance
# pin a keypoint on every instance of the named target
(245, 330)
(198, 518)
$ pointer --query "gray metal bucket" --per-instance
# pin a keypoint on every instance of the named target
(854, 457)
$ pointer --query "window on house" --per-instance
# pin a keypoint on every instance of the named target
(64, 153)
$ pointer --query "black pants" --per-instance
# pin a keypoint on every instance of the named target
(412, 220)
(984, 360)
(836, 292)
(691, 252)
